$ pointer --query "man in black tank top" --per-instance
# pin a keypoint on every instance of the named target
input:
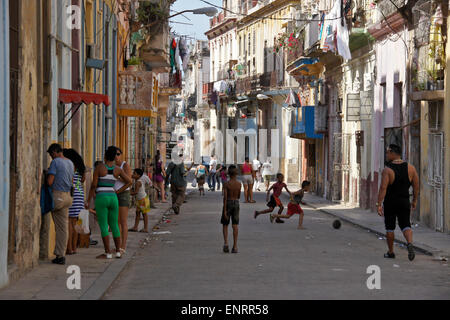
(393, 198)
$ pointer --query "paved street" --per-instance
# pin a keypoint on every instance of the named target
(275, 261)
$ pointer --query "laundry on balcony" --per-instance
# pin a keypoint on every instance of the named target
(334, 34)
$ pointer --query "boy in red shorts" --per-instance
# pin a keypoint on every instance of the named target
(294, 205)
(275, 198)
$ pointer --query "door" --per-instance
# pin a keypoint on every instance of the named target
(435, 178)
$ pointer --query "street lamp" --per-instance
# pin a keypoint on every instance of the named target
(209, 11)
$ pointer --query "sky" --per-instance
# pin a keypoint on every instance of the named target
(200, 22)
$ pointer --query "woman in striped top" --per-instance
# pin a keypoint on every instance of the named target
(106, 202)
(78, 197)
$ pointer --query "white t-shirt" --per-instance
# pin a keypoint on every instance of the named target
(267, 169)
(212, 165)
(256, 164)
(141, 193)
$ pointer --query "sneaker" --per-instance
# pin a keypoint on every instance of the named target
(234, 250)
(118, 255)
(411, 254)
(59, 260)
(389, 255)
(271, 218)
(93, 242)
(279, 221)
(226, 249)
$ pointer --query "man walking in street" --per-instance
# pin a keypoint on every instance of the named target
(397, 178)
(212, 173)
(178, 182)
(59, 178)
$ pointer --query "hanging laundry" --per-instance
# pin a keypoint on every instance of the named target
(336, 36)
(173, 47)
(177, 57)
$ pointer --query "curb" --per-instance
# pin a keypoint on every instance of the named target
(101, 285)
(423, 248)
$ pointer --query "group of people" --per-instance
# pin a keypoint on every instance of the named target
(109, 198)
(251, 176)
(393, 199)
(231, 199)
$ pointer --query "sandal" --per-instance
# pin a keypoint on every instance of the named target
(389, 255)
(132, 230)
(226, 249)
(253, 201)
(104, 256)
(234, 250)
(143, 231)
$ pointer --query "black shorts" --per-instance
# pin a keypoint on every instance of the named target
(400, 210)
(232, 213)
(274, 202)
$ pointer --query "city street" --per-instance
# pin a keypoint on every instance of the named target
(275, 261)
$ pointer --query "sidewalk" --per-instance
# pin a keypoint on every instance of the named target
(48, 281)
(425, 239)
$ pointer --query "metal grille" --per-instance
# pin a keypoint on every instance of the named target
(366, 105)
(353, 106)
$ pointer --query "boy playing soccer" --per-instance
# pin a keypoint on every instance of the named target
(231, 196)
(294, 205)
(275, 198)
(142, 200)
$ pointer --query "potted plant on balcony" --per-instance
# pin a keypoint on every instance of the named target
(134, 63)
(153, 15)
(432, 79)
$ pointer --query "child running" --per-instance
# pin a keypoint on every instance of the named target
(275, 198)
(294, 205)
(142, 200)
(231, 196)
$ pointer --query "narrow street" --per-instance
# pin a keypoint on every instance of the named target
(275, 261)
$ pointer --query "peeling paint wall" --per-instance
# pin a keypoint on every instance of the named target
(27, 210)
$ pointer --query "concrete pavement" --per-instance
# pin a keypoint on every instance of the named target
(275, 261)
(431, 242)
(48, 281)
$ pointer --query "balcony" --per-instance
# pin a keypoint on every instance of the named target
(272, 79)
(207, 89)
(248, 84)
(302, 124)
(169, 84)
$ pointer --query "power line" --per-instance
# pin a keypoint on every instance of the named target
(269, 18)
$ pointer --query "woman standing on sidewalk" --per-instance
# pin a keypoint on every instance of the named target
(123, 197)
(106, 203)
(78, 197)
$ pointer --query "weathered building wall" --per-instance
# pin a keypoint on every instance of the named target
(391, 62)
(27, 210)
(4, 139)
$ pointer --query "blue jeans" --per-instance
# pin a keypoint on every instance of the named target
(212, 181)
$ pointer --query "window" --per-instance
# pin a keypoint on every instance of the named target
(254, 42)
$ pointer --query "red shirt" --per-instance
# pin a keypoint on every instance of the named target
(277, 188)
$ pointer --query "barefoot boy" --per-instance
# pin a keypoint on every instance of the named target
(142, 200)
(294, 205)
(275, 198)
(231, 196)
